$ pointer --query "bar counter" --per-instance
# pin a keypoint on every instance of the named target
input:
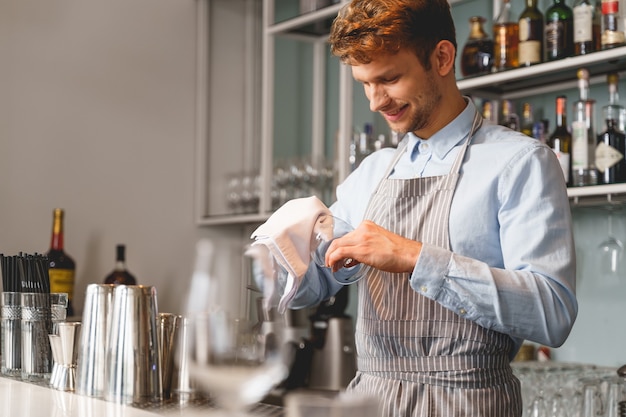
(24, 399)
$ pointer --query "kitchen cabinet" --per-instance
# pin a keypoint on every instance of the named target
(312, 28)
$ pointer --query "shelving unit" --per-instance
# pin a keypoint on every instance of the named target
(546, 77)
(597, 195)
(313, 27)
(310, 27)
(550, 77)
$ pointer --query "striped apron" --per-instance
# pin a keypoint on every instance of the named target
(417, 357)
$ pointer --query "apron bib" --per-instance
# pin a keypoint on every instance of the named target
(418, 357)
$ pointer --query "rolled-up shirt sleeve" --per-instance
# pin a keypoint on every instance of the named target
(528, 291)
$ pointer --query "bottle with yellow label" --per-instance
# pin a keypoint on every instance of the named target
(61, 266)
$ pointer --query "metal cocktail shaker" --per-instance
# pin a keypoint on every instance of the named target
(133, 374)
(90, 369)
(167, 332)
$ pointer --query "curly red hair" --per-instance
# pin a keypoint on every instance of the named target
(364, 29)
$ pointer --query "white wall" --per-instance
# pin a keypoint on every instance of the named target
(97, 115)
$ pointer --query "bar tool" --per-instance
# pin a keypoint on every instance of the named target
(132, 374)
(90, 368)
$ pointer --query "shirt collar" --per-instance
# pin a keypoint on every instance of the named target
(449, 136)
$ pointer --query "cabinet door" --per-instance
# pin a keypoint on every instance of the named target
(228, 121)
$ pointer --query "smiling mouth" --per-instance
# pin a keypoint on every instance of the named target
(395, 115)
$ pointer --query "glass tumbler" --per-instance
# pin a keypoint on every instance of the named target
(36, 325)
(11, 335)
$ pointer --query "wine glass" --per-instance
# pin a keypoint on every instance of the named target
(235, 360)
(327, 229)
(611, 249)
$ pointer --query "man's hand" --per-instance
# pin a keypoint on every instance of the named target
(372, 245)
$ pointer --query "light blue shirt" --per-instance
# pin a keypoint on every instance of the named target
(511, 267)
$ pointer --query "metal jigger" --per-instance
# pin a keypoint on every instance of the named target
(65, 354)
(55, 345)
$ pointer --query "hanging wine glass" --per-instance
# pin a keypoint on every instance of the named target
(611, 250)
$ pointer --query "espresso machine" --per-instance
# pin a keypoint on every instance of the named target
(326, 360)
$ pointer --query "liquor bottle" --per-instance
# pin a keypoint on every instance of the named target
(597, 25)
(560, 141)
(612, 25)
(584, 17)
(611, 146)
(540, 129)
(583, 135)
(120, 275)
(366, 143)
(488, 110)
(509, 118)
(527, 120)
(477, 54)
(505, 39)
(559, 31)
(530, 48)
(61, 267)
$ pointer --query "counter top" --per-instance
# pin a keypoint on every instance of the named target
(23, 399)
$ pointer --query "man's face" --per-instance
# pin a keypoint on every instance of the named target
(398, 87)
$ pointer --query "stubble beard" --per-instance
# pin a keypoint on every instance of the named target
(419, 117)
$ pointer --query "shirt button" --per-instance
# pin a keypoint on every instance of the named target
(424, 147)
(462, 312)
(423, 289)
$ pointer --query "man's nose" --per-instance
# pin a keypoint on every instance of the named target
(378, 98)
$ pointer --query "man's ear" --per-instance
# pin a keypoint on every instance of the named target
(444, 56)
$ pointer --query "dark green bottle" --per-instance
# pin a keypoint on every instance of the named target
(559, 31)
(530, 35)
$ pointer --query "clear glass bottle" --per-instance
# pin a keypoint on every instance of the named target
(584, 17)
(611, 146)
(505, 39)
(366, 143)
(530, 48)
(583, 135)
(560, 141)
(120, 275)
(559, 31)
(612, 25)
(61, 266)
(487, 110)
(509, 118)
(527, 120)
(477, 54)
(540, 130)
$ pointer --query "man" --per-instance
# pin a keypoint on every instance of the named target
(464, 231)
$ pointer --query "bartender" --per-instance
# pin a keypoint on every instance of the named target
(464, 231)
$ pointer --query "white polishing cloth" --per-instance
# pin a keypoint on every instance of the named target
(290, 235)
